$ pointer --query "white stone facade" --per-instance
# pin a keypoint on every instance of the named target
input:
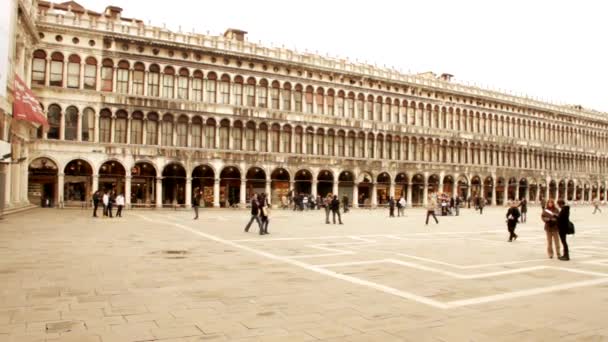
(155, 114)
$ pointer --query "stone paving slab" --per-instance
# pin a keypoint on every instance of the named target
(161, 276)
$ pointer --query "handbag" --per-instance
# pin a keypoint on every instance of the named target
(570, 230)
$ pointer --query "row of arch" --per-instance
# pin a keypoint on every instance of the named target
(145, 184)
(138, 79)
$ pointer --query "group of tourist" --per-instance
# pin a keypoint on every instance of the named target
(260, 213)
(108, 198)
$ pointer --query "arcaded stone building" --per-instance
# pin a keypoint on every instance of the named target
(155, 114)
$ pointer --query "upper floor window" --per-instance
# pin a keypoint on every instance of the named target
(197, 86)
(237, 91)
(330, 102)
(54, 119)
(167, 130)
(88, 124)
(90, 73)
(152, 129)
(73, 71)
(137, 127)
(211, 87)
(274, 95)
(340, 104)
(138, 78)
(107, 74)
(286, 95)
(197, 131)
(225, 89)
(182, 131)
(297, 98)
(250, 136)
(120, 127)
(56, 73)
(320, 102)
(105, 125)
(262, 93)
(39, 67)
(71, 123)
(250, 92)
(154, 80)
(182, 84)
(122, 77)
(308, 98)
(168, 82)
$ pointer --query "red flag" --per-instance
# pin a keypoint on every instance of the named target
(26, 106)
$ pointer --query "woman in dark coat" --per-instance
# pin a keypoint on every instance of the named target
(512, 218)
(563, 220)
(264, 213)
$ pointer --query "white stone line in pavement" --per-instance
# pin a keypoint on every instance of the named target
(600, 262)
(350, 279)
(335, 251)
(466, 267)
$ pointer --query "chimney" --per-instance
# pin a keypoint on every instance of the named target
(235, 34)
(113, 12)
(446, 77)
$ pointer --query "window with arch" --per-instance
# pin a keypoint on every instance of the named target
(298, 140)
(120, 127)
(274, 95)
(39, 67)
(122, 77)
(182, 84)
(380, 147)
(167, 130)
(168, 82)
(310, 138)
(73, 71)
(320, 101)
(350, 106)
(250, 92)
(250, 136)
(90, 73)
(262, 93)
(152, 129)
(154, 81)
(137, 124)
(197, 86)
(378, 109)
(297, 98)
(211, 87)
(237, 136)
(138, 78)
(308, 100)
(340, 104)
(386, 110)
(88, 124)
(370, 146)
(225, 89)
(197, 132)
(350, 145)
(320, 142)
(105, 126)
(286, 94)
(56, 73)
(210, 134)
(263, 132)
(331, 141)
(369, 108)
(107, 74)
(274, 138)
(54, 119)
(360, 107)
(237, 91)
(182, 131)
(360, 149)
(286, 139)
(330, 102)
(224, 134)
(71, 123)
(341, 144)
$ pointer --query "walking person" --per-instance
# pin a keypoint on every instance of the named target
(524, 210)
(596, 207)
(513, 215)
(401, 206)
(549, 216)
(457, 203)
(120, 203)
(563, 225)
(105, 200)
(264, 214)
(196, 202)
(96, 199)
(482, 203)
(391, 207)
(430, 210)
(345, 203)
(335, 209)
(255, 214)
(327, 206)
(111, 201)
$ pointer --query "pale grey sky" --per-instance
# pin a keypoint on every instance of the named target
(553, 50)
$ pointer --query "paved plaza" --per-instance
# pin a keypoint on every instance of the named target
(161, 276)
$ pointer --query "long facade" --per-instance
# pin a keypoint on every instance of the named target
(156, 114)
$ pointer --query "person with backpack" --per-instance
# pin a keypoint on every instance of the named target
(513, 215)
(565, 227)
(401, 206)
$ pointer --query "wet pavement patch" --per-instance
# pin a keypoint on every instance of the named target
(65, 326)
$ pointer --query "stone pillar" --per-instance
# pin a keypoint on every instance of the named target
(409, 195)
(355, 199)
(268, 191)
(60, 194)
(159, 192)
(128, 130)
(313, 190)
(144, 133)
(425, 200)
(391, 189)
(95, 186)
(79, 128)
(189, 192)
(537, 195)
(493, 190)
(128, 191)
(334, 188)
(455, 186)
(216, 193)
(96, 128)
(113, 129)
(62, 126)
(243, 193)
(374, 195)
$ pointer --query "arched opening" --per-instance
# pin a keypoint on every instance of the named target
(417, 190)
(500, 191)
(174, 185)
(579, 192)
(586, 192)
(561, 188)
(203, 178)
(512, 188)
(552, 190)
(230, 184)
(433, 185)
(256, 182)
(523, 188)
(463, 187)
(112, 177)
(476, 187)
(383, 183)
(325, 183)
(401, 185)
(143, 185)
(593, 192)
(42, 182)
(303, 182)
(77, 183)
(279, 185)
(364, 189)
(488, 189)
(533, 189)
(448, 186)
(346, 183)
(570, 190)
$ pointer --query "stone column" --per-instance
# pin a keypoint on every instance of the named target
(79, 128)
(128, 191)
(60, 194)
(409, 195)
(189, 192)
(267, 190)
(493, 190)
(313, 190)
(455, 186)
(334, 188)
(243, 193)
(391, 189)
(47, 72)
(96, 128)
(159, 192)
(425, 200)
(62, 126)
(113, 128)
(355, 199)
(95, 186)
(128, 130)
(374, 195)
(216, 193)
(144, 133)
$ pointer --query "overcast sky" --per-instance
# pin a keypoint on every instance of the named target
(553, 50)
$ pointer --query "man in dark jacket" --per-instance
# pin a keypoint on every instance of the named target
(96, 199)
(196, 202)
(255, 212)
(563, 220)
(335, 209)
(391, 207)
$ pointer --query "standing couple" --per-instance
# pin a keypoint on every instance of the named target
(259, 213)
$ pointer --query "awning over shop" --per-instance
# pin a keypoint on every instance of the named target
(26, 106)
